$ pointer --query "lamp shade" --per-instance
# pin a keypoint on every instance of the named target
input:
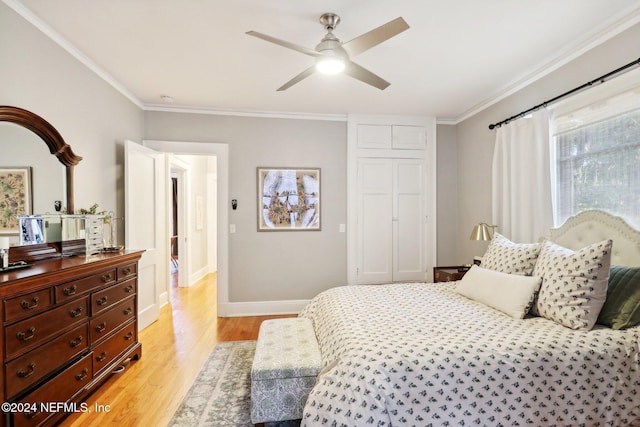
(481, 232)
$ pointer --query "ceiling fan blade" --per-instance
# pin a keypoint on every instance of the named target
(357, 72)
(284, 43)
(374, 37)
(303, 75)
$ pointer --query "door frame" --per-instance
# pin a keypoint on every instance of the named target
(221, 152)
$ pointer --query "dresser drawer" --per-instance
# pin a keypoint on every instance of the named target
(31, 332)
(26, 305)
(61, 388)
(112, 319)
(38, 363)
(105, 298)
(70, 290)
(127, 271)
(104, 354)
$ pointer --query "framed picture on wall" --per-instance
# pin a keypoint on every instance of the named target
(288, 199)
(15, 197)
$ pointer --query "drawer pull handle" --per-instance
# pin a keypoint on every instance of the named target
(102, 356)
(129, 288)
(70, 291)
(102, 301)
(76, 313)
(106, 278)
(31, 414)
(81, 376)
(128, 311)
(101, 327)
(75, 343)
(27, 373)
(25, 304)
(129, 336)
(22, 336)
(126, 271)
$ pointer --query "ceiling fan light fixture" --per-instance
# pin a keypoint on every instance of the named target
(330, 65)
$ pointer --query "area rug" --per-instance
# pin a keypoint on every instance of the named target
(221, 393)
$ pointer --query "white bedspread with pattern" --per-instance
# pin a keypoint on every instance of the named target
(420, 355)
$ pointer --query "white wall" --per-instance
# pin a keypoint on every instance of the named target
(475, 141)
(198, 242)
(92, 117)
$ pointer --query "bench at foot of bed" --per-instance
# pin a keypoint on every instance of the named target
(284, 370)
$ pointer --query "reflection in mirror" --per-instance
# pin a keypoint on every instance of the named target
(23, 148)
(19, 145)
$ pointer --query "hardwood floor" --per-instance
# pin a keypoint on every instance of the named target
(174, 350)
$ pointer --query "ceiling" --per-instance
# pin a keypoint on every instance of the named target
(456, 58)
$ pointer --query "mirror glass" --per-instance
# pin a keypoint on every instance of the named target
(22, 148)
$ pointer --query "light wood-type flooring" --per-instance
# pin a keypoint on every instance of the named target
(174, 350)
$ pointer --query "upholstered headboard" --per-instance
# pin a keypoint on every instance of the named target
(594, 226)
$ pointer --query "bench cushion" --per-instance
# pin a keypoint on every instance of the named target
(284, 370)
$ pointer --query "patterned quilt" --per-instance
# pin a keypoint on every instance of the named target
(421, 355)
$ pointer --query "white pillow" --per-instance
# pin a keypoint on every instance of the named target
(508, 257)
(574, 284)
(512, 294)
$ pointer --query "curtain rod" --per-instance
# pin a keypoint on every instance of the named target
(587, 85)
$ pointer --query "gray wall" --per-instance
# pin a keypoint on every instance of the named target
(447, 194)
(476, 141)
(92, 117)
(272, 266)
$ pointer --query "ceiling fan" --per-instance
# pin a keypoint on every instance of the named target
(333, 56)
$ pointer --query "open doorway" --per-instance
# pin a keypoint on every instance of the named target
(178, 224)
(213, 203)
(174, 253)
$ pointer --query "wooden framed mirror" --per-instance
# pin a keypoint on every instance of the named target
(57, 146)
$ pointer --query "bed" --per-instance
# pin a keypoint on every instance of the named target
(425, 354)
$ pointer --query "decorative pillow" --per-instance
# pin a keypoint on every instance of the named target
(622, 307)
(574, 284)
(505, 256)
(512, 294)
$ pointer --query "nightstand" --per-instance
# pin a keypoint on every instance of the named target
(449, 273)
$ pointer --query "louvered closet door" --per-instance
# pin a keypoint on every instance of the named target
(390, 220)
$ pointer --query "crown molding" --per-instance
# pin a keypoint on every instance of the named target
(245, 113)
(611, 28)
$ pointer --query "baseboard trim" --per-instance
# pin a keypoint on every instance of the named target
(261, 308)
(198, 275)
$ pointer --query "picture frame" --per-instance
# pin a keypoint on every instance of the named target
(289, 199)
(17, 197)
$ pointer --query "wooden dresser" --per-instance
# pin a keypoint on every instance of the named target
(68, 323)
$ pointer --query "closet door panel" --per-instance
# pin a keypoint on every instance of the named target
(375, 261)
(408, 220)
(409, 137)
(375, 136)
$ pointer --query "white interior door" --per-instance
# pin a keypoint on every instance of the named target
(145, 218)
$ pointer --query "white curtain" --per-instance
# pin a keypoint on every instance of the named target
(522, 201)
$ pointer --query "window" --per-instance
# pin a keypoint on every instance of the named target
(596, 151)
